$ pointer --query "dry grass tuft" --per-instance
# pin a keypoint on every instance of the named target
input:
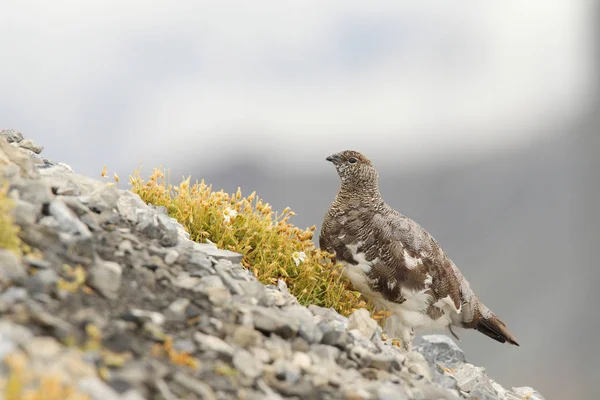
(9, 232)
(272, 247)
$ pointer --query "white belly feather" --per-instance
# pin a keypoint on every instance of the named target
(411, 313)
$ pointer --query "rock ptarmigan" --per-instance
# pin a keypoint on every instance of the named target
(395, 264)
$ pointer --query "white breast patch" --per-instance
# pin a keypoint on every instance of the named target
(411, 313)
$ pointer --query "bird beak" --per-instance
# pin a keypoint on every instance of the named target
(334, 158)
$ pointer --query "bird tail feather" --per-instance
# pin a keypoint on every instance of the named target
(496, 329)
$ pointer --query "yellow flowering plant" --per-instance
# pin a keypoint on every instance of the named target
(271, 246)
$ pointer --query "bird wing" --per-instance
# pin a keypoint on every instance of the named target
(402, 254)
(409, 257)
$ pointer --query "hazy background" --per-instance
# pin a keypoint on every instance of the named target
(483, 120)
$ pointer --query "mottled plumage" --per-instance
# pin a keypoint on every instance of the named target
(395, 263)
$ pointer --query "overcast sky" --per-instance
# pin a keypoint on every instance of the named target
(121, 82)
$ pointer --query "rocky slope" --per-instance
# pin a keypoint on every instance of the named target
(115, 302)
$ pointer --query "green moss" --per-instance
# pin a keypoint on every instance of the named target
(272, 247)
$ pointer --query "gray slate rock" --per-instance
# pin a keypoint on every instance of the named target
(105, 277)
(130, 205)
(247, 364)
(67, 220)
(269, 320)
(13, 295)
(12, 135)
(43, 281)
(213, 343)
(218, 254)
(11, 269)
(196, 386)
(176, 310)
(30, 145)
(26, 213)
(34, 192)
(362, 321)
(440, 349)
(391, 391)
(223, 268)
(474, 381)
(97, 389)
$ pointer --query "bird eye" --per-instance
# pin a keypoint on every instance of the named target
(352, 160)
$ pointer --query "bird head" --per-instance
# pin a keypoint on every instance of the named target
(354, 169)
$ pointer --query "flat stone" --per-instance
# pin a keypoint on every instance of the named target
(44, 348)
(425, 390)
(176, 310)
(11, 269)
(132, 395)
(34, 192)
(440, 349)
(391, 391)
(185, 281)
(148, 316)
(11, 135)
(362, 321)
(43, 281)
(218, 254)
(272, 320)
(417, 365)
(338, 338)
(324, 354)
(147, 224)
(307, 326)
(253, 289)
(223, 268)
(68, 189)
(171, 256)
(194, 385)
(105, 277)
(16, 162)
(26, 213)
(30, 145)
(13, 295)
(67, 220)
(209, 281)
(38, 263)
(199, 259)
(328, 314)
(301, 361)
(247, 364)
(273, 297)
(97, 389)
(213, 343)
(185, 346)
(169, 236)
(245, 336)
(130, 205)
(286, 371)
(471, 378)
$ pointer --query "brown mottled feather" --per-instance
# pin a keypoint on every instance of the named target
(360, 216)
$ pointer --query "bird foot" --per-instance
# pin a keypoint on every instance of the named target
(397, 343)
